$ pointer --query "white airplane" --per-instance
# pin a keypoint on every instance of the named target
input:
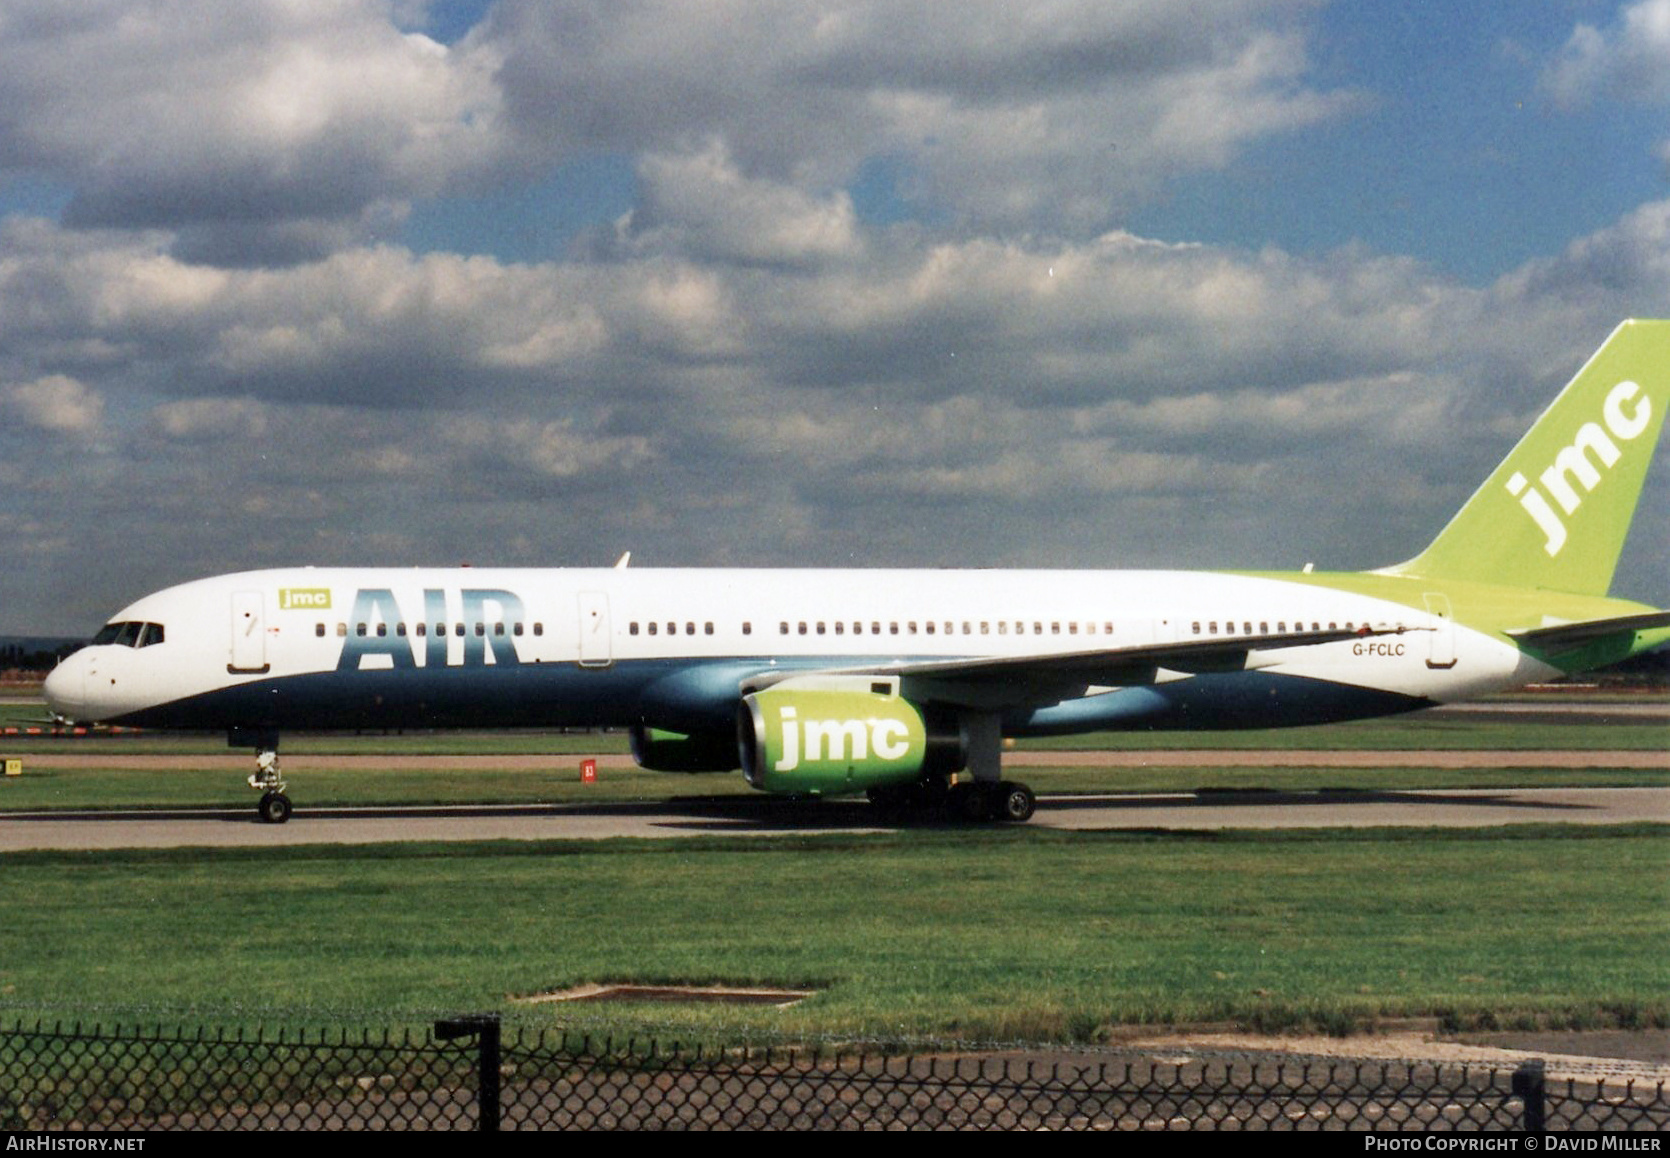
(885, 682)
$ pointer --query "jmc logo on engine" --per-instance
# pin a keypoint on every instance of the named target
(839, 741)
(831, 741)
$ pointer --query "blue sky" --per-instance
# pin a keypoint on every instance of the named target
(1237, 283)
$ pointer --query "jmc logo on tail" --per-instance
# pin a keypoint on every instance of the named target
(1573, 462)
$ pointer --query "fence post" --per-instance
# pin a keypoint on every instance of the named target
(1529, 1086)
(485, 1028)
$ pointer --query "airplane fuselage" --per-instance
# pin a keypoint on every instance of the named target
(338, 648)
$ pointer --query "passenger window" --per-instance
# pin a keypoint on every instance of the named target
(359, 629)
(539, 629)
(747, 628)
(707, 629)
(342, 631)
(652, 627)
(422, 630)
(689, 629)
(632, 628)
(382, 631)
(319, 630)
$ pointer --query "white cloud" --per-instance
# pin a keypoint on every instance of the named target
(288, 123)
(1063, 112)
(203, 419)
(698, 205)
(56, 403)
(1629, 59)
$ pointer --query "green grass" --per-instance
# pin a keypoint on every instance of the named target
(992, 934)
(1414, 731)
(83, 789)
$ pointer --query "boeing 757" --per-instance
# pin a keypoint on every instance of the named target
(886, 682)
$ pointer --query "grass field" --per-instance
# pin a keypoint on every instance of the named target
(557, 781)
(984, 934)
(1007, 934)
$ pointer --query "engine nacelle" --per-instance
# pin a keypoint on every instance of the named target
(826, 735)
(662, 751)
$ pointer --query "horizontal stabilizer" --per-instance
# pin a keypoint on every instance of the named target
(1566, 636)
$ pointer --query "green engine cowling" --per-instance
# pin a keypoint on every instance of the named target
(663, 751)
(827, 736)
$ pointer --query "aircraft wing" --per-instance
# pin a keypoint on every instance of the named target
(994, 681)
(1569, 636)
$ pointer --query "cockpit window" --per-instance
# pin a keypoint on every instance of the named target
(129, 634)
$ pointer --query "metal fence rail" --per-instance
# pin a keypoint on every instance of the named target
(464, 1075)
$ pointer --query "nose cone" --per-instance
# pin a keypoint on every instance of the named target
(66, 689)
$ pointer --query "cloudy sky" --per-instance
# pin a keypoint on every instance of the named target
(1088, 283)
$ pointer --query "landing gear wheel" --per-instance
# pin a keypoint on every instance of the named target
(1015, 802)
(274, 808)
(972, 802)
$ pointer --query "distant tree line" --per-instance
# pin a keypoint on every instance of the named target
(35, 654)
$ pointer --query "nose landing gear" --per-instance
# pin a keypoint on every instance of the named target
(275, 806)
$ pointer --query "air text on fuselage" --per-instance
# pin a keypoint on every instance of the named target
(482, 626)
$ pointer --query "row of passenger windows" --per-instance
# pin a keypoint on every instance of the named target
(653, 627)
(422, 629)
(1210, 627)
(129, 634)
(933, 627)
(891, 627)
(145, 634)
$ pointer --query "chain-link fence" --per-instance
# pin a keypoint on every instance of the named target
(464, 1074)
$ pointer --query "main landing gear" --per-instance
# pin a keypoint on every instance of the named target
(1009, 801)
(275, 807)
(983, 798)
(979, 801)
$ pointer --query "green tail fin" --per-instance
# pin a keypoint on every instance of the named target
(1555, 513)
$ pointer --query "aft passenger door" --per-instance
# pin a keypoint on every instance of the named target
(594, 630)
(1442, 655)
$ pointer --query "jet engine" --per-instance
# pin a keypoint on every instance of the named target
(827, 735)
(662, 751)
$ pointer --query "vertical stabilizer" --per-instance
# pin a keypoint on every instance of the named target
(1555, 513)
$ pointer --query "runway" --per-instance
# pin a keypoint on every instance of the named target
(747, 816)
